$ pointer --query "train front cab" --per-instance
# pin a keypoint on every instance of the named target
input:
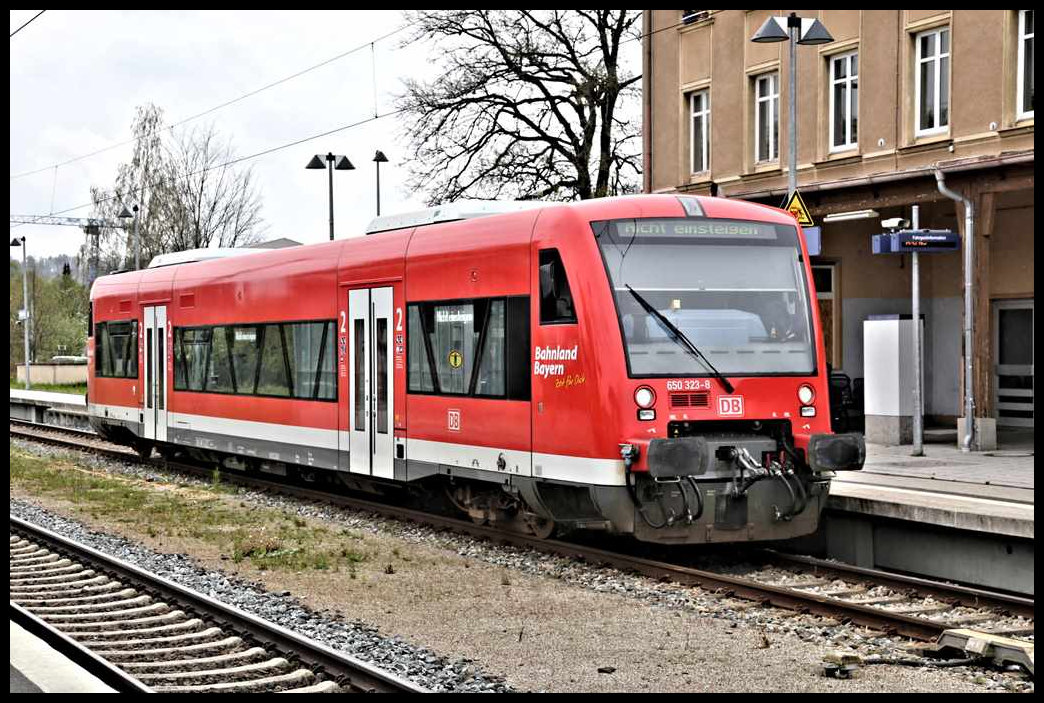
(631, 293)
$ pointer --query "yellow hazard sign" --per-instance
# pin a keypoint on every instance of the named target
(796, 207)
(455, 359)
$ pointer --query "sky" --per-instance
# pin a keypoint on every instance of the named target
(77, 77)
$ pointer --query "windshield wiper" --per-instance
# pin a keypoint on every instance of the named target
(679, 336)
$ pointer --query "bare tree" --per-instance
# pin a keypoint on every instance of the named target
(527, 104)
(188, 195)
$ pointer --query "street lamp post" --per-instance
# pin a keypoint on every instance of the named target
(20, 241)
(124, 214)
(334, 162)
(799, 31)
(379, 158)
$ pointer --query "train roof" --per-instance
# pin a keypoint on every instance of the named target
(392, 235)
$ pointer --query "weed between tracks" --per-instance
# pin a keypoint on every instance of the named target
(264, 537)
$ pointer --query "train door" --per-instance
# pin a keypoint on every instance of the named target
(371, 379)
(155, 375)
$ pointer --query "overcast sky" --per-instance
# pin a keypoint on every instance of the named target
(77, 76)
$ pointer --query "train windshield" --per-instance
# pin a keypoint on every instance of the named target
(736, 289)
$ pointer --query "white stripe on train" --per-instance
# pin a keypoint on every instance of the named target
(557, 467)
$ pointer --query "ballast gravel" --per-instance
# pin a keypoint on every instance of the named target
(420, 665)
(551, 623)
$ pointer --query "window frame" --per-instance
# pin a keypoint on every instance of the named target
(1020, 94)
(850, 57)
(102, 344)
(179, 356)
(704, 116)
(936, 58)
(772, 98)
(481, 343)
(557, 253)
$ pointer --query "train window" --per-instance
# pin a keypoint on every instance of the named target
(477, 348)
(418, 354)
(90, 319)
(245, 350)
(360, 375)
(556, 300)
(517, 349)
(285, 360)
(116, 349)
(305, 343)
(490, 377)
(380, 344)
(273, 378)
(219, 370)
(191, 347)
(326, 376)
(453, 344)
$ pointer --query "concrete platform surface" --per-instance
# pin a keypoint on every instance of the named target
(48, 398)
(989, 492)
(36, 667)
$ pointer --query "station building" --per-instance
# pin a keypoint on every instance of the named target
(896, 96)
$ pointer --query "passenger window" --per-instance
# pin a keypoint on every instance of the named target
(453, 344)
(245, 348)
(273, 379)
(556, 300)
(477, 347)
(116, 349)
(219, 371)
(490, 379)
(192, 345)
(420, 378)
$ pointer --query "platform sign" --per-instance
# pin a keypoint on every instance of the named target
(813, 240)
(916, 240)
(795, 205)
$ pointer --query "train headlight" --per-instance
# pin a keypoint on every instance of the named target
(644, 397)
(806, 394)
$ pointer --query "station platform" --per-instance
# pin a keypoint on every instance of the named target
(965, 517)
(989, 492)
(64, 409)
(38, 668)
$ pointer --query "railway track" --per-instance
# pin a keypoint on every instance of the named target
(139, 632)
(896, 604)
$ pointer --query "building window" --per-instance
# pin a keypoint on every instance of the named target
(1025, 88)
(766, 118)
(933, 81)
(699, 111)
(477, 348)
(844, 102)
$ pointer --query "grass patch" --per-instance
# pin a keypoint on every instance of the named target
(266, 538)
(75, 389)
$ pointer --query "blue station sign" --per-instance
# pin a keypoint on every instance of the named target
(916, 240)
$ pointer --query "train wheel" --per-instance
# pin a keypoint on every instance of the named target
(144, 449)
(541, 527)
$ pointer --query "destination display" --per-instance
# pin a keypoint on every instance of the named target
(696, 228)
(918, 240)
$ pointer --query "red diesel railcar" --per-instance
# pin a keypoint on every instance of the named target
(651, 365)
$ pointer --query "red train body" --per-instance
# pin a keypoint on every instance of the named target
(506, 359)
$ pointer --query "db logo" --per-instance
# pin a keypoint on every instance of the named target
(453, 420)
(730, 405)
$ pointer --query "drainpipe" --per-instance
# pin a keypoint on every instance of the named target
(969, 306)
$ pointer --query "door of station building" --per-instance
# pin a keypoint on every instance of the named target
(371, 380)
(154, 379)
(1013, 362)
